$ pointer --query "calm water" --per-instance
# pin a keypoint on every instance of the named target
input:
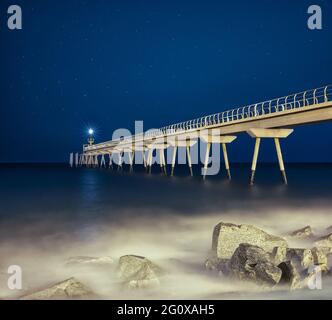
(56, 191)
(51, 212)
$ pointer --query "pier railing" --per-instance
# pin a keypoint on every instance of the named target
(294, 101)
(299, 100)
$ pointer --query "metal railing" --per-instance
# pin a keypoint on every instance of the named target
(295, 101)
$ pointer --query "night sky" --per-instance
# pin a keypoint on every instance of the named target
(105, 64)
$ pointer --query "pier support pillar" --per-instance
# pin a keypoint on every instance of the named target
(254, 161)
(76, 160)
(189, 160)
(276, 134)
(149, 160)
(96, 161)
(158, 146)
(119, 160)
(224, 150)
(79, 161)
(144, 160)
(184, 143)
(175, 148)
(215, 137)
(162, 161)
(71, 160)
(102, 161)
(131, 160)
(280, 160)
(206, 160)
(110, 160)
(135, 151)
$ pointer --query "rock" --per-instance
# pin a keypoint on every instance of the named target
(228, 236)
(303, 256)
(319, 256)
(304, 233)
(219, 265)
(291, 275)
(325, 241)
(139, 272)
(329, 229)
(90, 261)
(268, 273)
(296, 278)
(68, 289)
(252, 263)
(329, 260)
(279, 255)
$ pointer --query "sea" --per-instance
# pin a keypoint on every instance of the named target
(52, 212)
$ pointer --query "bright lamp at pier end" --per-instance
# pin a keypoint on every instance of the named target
(91, 139)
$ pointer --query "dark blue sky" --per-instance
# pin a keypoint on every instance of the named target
(105, 64)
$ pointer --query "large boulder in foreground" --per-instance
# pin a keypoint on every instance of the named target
(139, 272)
(68, 289)
(227, 237)
(253, 263)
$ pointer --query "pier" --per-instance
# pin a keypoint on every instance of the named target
(274, 119)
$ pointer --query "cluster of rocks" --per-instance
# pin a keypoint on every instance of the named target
(242, 252)
(133, 272)
(245, 252)
(139, 272)
(68, 289)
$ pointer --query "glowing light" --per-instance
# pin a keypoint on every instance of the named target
(91, 131)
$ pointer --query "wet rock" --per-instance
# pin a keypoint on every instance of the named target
(268, 273)
(303, 233)
(89, 261)
(319, 256)
(68, 289)
(279, 255)
(252, 263)
(329, 260)
(228, 236)
(295, 277)
(291, 274)
(325, 241)
(139, 272)
(303, 257)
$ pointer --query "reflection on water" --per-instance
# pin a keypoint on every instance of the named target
(49, 213)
